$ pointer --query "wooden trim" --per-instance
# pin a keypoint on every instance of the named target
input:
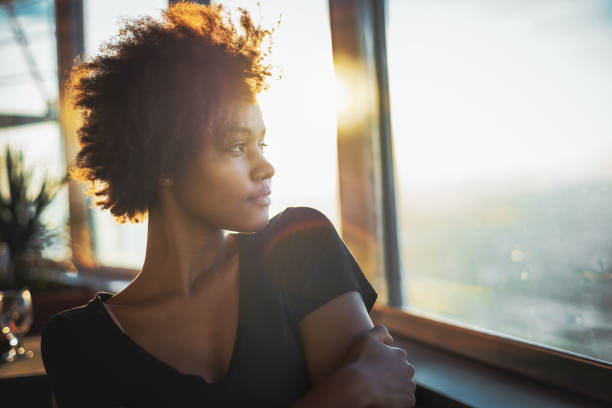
(108, 272)
(581, 374)
(70, 46)
(359, 145)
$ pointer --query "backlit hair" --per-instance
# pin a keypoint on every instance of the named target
(152, 93)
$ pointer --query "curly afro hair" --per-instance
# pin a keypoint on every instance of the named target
(153, 92)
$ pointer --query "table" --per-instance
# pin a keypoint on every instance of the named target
(25, 367)
(24, 382)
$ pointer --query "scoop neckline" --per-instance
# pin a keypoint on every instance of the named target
(101, 297)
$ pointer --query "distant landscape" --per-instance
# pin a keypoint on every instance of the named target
(537, 266)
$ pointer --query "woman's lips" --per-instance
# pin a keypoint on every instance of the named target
(261, 198)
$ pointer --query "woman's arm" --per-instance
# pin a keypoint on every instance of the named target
(341, 389)
(349, 363)
(329, 331)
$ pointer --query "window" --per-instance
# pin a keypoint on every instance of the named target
(500, 115)
(28, 100)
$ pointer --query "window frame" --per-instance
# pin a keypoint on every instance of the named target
(581, 374)
(358, 30)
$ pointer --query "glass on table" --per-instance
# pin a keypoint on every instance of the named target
(16, 317)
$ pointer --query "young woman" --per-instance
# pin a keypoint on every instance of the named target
(274, 315)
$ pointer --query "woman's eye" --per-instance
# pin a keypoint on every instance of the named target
(237, 148)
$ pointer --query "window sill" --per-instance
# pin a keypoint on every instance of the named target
(447, 379)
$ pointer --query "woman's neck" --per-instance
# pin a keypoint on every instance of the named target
(180, 251)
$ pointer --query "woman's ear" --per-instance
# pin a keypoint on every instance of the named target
(165, 181)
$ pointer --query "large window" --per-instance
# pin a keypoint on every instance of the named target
(501, 123)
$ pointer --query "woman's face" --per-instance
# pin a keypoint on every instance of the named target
(228, 183)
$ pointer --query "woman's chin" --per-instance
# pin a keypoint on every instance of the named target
(253, 224)
(261, 224)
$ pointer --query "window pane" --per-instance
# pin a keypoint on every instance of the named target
(42, 149)
(28, 99)
(22, 60)
(501, 122)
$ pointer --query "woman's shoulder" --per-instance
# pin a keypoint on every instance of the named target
(295, 221)
(295, 230)
(77, 356)
(306, 257)
(75, 322)
(293, 215)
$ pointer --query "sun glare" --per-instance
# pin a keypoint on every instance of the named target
(353, 94)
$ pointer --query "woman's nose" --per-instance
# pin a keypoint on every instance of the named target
(262, 169)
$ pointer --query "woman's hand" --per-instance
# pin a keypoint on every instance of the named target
(350, 362)
(383, 371)
(373, 375)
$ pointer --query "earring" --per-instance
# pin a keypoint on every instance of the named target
(166, 181)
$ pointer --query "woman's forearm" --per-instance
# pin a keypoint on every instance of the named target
(344, 388)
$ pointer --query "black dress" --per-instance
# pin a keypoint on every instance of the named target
(288, 269)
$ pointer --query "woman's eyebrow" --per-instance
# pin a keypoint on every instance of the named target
(243, 130)
(237, 129)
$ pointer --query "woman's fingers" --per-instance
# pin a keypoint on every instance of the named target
(388, 377)
(381, 334)
(401, 353)
(411, 368)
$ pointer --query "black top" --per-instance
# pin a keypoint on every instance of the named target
(288, 269)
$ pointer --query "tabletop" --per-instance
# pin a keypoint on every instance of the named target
(25, 367)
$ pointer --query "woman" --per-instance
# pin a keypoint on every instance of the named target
(274, 315)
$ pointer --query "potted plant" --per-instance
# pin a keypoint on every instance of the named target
(23, 237)
(22, 230)
(24, 271)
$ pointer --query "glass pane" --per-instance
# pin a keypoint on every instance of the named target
(28, 100)
(501, 121)
(28, 72)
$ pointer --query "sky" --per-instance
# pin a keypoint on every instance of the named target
(490, 95)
